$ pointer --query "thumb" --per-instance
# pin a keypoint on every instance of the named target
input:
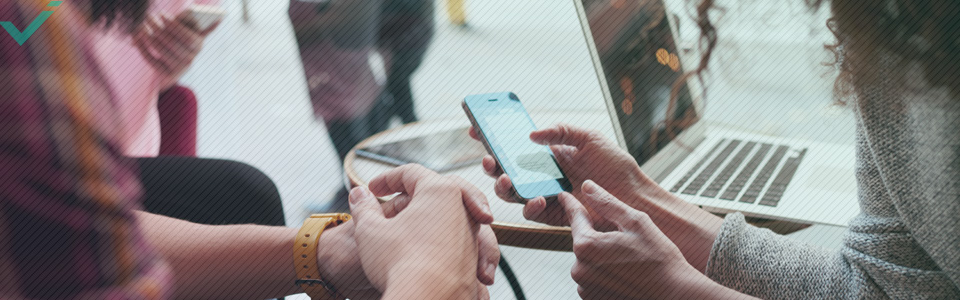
(364, 206)
(606, 205)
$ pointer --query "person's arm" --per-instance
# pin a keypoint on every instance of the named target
(244, 261)
(905, 245)
(251, 261)
(632, 259)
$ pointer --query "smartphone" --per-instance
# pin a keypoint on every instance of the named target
(202, 17)
(505, 127)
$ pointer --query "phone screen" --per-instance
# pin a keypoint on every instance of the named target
(510, 130)
(506, 126)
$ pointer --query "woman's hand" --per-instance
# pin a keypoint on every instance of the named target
(170, 45)
(582, 155)
(634, 261)
(425, 240)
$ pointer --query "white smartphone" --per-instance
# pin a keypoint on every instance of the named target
(202, 17)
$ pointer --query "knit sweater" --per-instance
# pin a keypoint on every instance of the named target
(905, 244)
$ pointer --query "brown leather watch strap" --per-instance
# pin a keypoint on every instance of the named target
(305, 255)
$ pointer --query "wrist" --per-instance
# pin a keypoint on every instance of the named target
(691, 228)
(417, 280)
(689, 283)
(337, 257)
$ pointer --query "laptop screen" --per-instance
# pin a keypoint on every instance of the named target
(641, 64)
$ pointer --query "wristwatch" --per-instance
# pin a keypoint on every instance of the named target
(305, 255)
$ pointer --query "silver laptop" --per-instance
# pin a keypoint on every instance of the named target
(723, 170)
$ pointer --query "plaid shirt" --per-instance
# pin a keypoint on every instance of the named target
(67, 228)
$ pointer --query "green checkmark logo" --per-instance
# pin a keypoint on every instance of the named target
(22, 36)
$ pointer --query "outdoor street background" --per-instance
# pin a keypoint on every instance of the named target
(254, 105)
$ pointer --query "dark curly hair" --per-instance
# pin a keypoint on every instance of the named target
(109, 12)
(926, 32)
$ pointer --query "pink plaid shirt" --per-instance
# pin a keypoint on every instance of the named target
(67, 227)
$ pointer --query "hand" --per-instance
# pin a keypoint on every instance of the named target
(425, 235)
(582, 155)
(169, 45)
(634, 261)
(340, 265)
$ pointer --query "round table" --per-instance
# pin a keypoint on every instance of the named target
(509, 225)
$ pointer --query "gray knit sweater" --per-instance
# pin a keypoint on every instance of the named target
(906, 242)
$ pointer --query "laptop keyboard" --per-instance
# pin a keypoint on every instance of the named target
(741, 181)
(707, 172)
(742, 168)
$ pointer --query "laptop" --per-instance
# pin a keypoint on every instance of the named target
(639, 64)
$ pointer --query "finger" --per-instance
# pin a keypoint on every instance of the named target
(504, 189)
(584, 274)
(399, 180)
(146, 38)
(148, 29)
(151, 24)
(164, 47)
(482, 292)
(475, 201)
(170, 60)
(490, 166)
(606, 205)
(580, 225)
(563, 135)
(550, 213)
(565, 155)
(178, 40)
(489, 255)
(595, 292)
(393, 207)
(184, 33)
(364, 206)
(147, 55)
(475, 134)
(534, 208)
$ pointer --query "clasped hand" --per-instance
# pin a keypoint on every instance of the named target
(435, 230)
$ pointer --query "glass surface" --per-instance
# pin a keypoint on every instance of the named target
(510, 130)
(440, 152)
(642, 68)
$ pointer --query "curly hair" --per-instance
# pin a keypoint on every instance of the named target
(109, 12)
(914, 31)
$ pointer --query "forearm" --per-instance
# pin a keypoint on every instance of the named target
(691, 228)
(224, 262)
